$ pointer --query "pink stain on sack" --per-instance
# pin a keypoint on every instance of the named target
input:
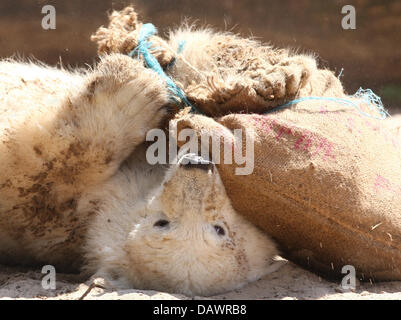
(308, 141)
(382, 183)
(357, 121)
(265, 122)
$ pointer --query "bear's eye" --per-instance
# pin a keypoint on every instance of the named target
(161, 223)
(219, 230)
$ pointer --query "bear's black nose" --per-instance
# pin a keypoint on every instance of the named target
(193, 161)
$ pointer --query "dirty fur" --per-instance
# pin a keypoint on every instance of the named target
(221, 72)
(77, 192)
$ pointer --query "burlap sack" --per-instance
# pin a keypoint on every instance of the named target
(326, 185)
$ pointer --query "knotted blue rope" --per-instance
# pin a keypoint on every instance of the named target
(367, 95)
(177, 95)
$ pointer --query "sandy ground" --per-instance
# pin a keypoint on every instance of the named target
(290, 282)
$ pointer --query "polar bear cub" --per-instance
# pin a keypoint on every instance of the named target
(77, 192)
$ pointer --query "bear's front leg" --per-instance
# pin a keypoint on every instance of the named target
(120, 101)
(80, 136)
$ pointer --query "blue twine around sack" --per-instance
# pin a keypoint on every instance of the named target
(148, 30)
(367, 95)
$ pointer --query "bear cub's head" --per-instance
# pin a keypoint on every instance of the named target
(186, 238)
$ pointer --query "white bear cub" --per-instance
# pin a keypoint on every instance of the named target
(77, 192)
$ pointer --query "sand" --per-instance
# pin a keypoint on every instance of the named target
(289, 282)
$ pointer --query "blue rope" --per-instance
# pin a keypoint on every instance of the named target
(151, 62)
(181, 46)
(178, 96)
(367, 95)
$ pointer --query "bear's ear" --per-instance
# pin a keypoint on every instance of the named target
(97, 84)
(93, 84)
